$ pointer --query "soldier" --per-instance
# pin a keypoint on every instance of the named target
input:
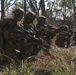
(9, 37)
(29, 18)
(40, 30)
(40, 26)
(28, 44)
(29, 47)
(63, 38)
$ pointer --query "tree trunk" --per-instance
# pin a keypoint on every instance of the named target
(42, 6)
(74, 12)
(64, 12)
(25, 6)
(2, 9)
(33, 7)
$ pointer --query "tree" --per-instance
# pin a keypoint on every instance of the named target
(25, 6)
(2, 9)
(34, 6)
(50, 11)
(74, 4)
(42, 6)
(53, 11)
(65, 5)
(5, 7)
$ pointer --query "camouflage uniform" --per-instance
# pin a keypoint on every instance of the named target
(29, 18)
(40, 30)
(63, 38)
(45, 30)
(28, 25)
(40, 26)
(9, 37)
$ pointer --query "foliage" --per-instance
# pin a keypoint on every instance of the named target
(58, 63)
(52, 8)
(67, 3)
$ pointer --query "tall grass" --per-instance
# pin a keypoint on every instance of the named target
(59, 62)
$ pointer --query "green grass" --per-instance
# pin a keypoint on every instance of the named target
(59, 63)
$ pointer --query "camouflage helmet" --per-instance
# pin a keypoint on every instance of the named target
(18, 12)
(30, 15)
(41, 19)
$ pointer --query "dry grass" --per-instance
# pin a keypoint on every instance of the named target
(59, 62)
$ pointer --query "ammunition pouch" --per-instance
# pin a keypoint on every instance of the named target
(8, 35)
(12, 35)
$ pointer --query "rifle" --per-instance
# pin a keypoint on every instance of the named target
(28, 34)
(73, 32)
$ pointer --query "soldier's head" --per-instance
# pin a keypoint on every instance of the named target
(18, 13)
(30, 17)
(41, 19)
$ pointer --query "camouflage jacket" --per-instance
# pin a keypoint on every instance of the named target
(6, 27)
(40, 30)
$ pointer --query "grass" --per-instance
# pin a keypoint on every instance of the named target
(59, 62)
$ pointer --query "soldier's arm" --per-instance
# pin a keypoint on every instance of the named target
(2, 23)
